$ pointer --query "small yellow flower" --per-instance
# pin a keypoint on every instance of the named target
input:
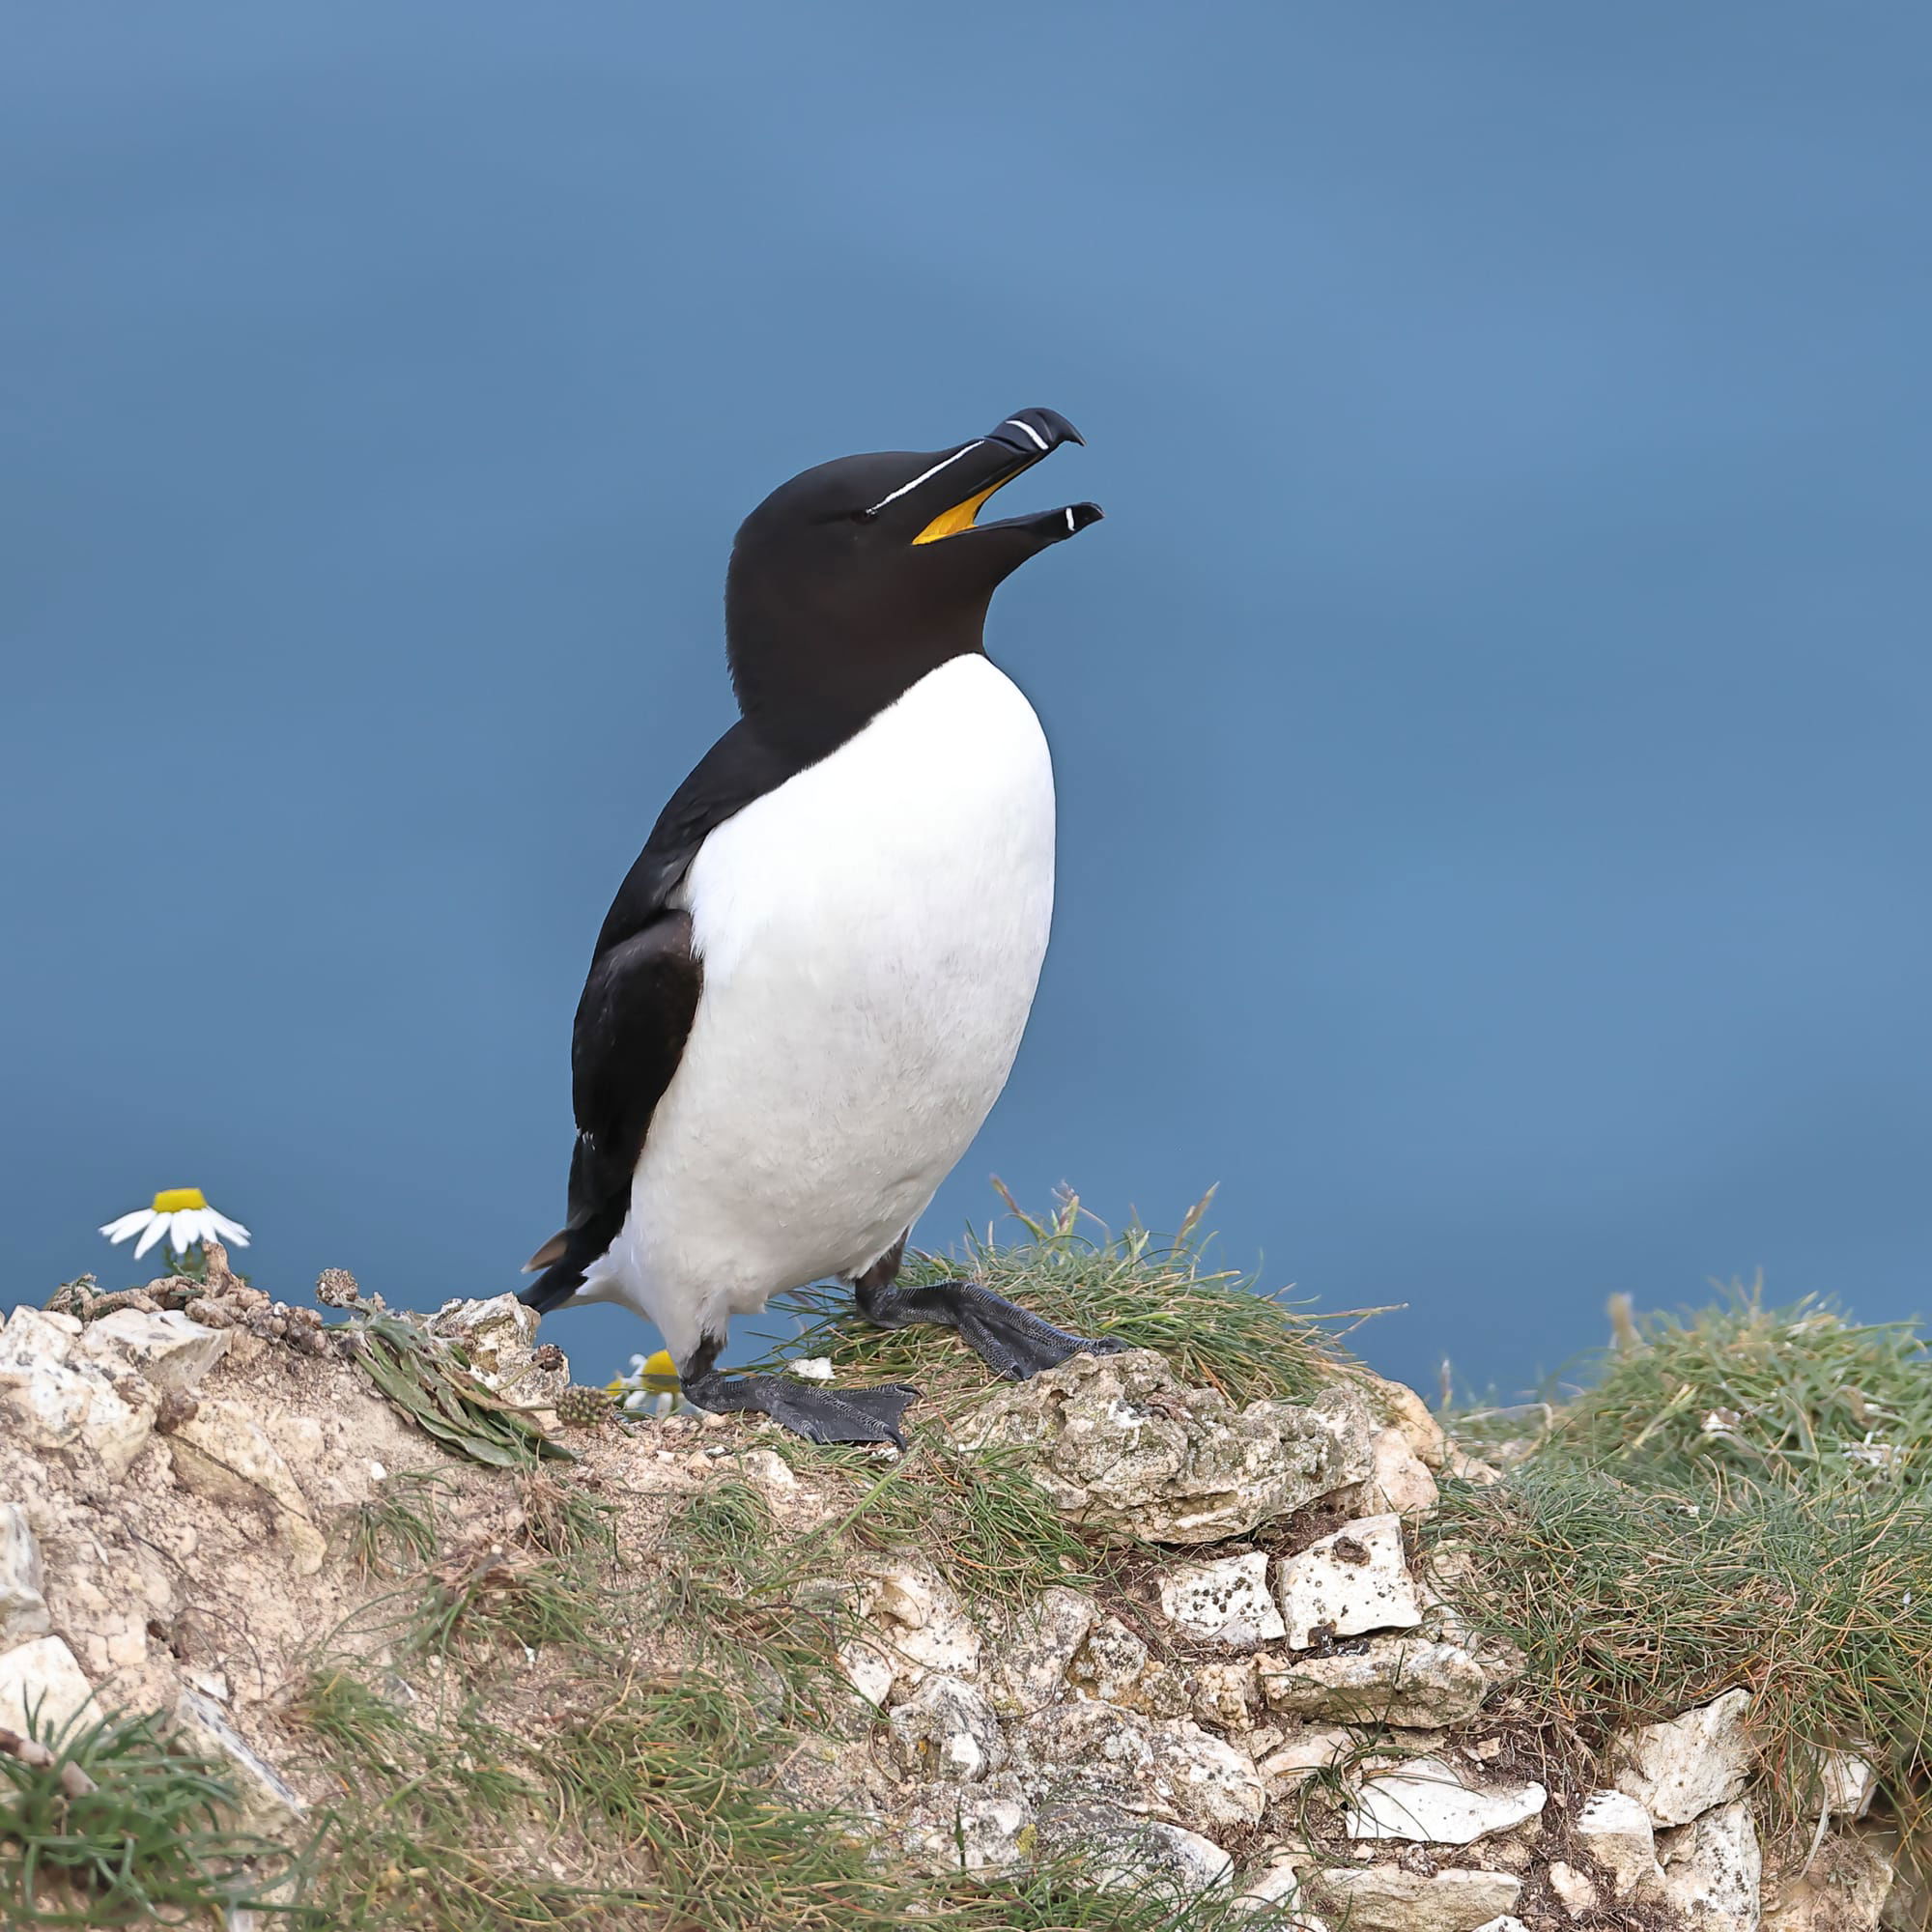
(181, 1213)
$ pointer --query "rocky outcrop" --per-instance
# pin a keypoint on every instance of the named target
(1266, 1703)
(1129, 1453)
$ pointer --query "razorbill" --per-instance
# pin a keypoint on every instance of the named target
(810, 988)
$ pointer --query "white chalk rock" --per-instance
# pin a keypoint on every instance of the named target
(1429, 1802)
(1225, 1693)
(1846, 1783)
(1680, 1768)
(1406, 1411)
(57, 1401)
(945, 1731)
(1127, 1853)
(919, 1622)
(1110, 1663)
(1401, 1480)
(220, 1452)
(24, 1602)
(1406, 1682)
(42, 1678)
(38, 1334)
(1385, 1898)
(266, 1804)
(1276, 1888)
(868, 1668)
(970, 1827)
(1712, 1870)
(498, 1336)
(1307, 1750)
(1347, 1584)
(1576, 1889)
(1139, 1457)
(1028, 1665)
(1225, 1603)
(1200, 1782)
(165, 1349)
(1508, 1922)
(1846, 1890)
(1615, 1832)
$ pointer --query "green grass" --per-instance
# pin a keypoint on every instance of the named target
(1794, 1397)
(1151, 1292)
(118, 1829)
(1742, 1499)
(650, 1808)
(980, 1519)
(396, 1532)
(1633, 1599)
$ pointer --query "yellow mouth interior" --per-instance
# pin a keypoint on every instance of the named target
(950, 523)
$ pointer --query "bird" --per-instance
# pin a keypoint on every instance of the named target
(811, 986)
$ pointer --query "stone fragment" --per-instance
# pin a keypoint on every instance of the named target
(220, 1452)
(40, 1678)
(1126, 1853)
(1029, 1665)
(38, 1334)
(1225, 1694)
(1307, 1750)
(1402, 1408)
(1350, 1583)
(1712, 1870)
(165, 1349)
(498, 1336)
(1276, 1888)
(1173, 1770)
(23, 1603)
(945, 1731)
(1406, 1682)
(1680, 1768)
(1577, 1890)
(768, 1469)
(266, 1802)
(56, 1401)
(970, 1827)
(1401, 1480)
(920, 1621)
(1846, 1782)
(1127, 1450)
(1428, 1802)
(1225, 1603)
(1110, 1663)
(1615, 1832)
(868, 1668)
(1508, 1922)
(1845, 1890)
(1386, 1898)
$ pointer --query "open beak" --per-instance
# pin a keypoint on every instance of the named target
(989, 463)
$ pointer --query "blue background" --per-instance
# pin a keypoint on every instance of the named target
(1491, 725)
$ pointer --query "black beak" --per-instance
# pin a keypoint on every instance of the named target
(948, 505)
(1036, 433)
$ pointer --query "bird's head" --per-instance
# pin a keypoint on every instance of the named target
(852, 580)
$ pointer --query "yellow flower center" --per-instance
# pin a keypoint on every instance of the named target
(172, 1199)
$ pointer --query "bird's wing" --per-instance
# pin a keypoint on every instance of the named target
(637, 1004)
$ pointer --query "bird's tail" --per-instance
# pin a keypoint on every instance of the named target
(566, 1258)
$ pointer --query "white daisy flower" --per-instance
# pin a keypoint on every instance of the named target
(181, 1213)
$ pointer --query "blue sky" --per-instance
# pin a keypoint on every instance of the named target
(1491, 725)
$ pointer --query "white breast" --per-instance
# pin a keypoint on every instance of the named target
(871, 934)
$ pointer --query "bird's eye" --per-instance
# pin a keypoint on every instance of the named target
(864, 516)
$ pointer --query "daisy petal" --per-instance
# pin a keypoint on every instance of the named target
(178, 1233)
(157, 1226)
(129, 1224)
(231, 1231)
